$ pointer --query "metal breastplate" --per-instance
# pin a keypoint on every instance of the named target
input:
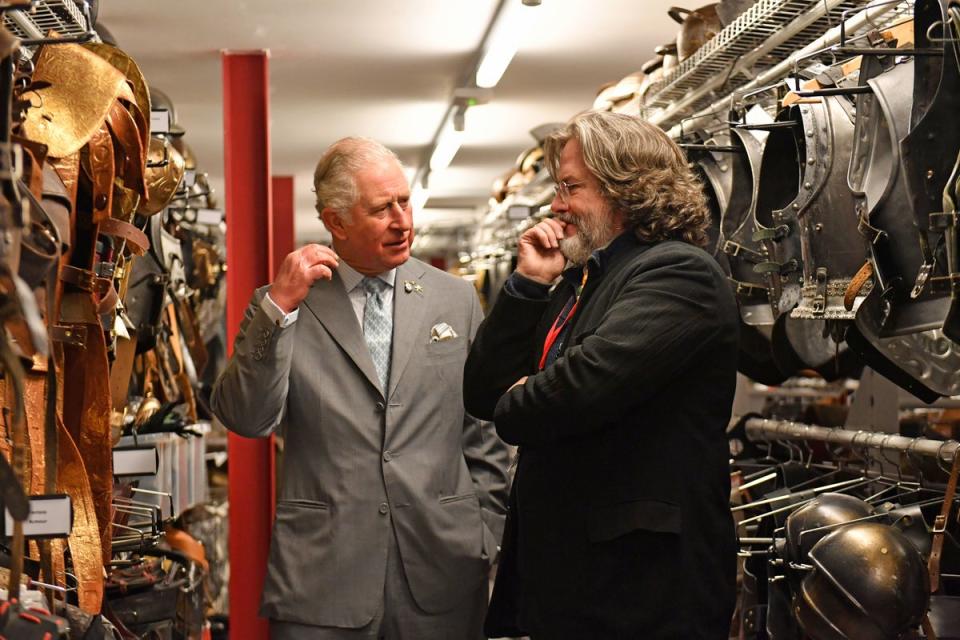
(737, 230)
(775, 220)
(899, 334)
(832, 250)
(812, 249)
(713, 169)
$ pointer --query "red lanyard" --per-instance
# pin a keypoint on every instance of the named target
(561, 321)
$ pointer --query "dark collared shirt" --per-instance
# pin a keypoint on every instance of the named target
(522, 287)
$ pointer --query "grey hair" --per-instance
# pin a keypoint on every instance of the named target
(643, 174)
(333, 179)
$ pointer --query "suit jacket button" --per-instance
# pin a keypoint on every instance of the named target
(381, 407)
(384, 508)
(387, 456)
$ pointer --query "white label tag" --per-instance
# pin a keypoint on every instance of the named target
(50, 517)
(189, 178)
(210, 217)
(135, 461)
(159, 121)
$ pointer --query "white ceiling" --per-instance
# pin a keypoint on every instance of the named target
(384, 69)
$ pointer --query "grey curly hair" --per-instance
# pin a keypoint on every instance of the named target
(333, 179)
(642, 173)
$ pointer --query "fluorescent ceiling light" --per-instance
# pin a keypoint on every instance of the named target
(502, 43)
(448, 143)
(419, 196)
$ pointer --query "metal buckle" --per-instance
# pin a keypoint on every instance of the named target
(922, 276)
(939, 524)
(943, 220)
(734, 249)
(820, 300)
(777, 233)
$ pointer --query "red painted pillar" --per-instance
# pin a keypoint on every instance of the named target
(281, 222)
(246, 136)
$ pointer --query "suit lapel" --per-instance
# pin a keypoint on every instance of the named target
(329, 303)
(408, 308)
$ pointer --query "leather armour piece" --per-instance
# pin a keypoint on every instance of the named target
(84, 541)
(82, 87)
(87, 419)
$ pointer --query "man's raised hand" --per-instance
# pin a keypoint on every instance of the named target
(539, 257)
(297, 273)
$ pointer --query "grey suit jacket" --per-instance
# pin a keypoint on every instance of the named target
(356, 461)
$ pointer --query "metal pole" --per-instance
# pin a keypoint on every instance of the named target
(830, 38)
(761, 429)
(281, 222)
(246, 136)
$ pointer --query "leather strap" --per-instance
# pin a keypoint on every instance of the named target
(181, 377)
(68, 169)
(69, 334)
(180, 540)
(86, 415)
(83, 279)
(102, 170)
(84, 541)
(135, 238)
(35, 396)
(109, 299)
(15, 375)
(940, 524)
(124, 129)
(120, 372)
(36, 152)
(856, 284)
(928, 627)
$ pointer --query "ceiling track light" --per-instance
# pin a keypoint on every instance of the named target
(499, 45)
(446, 147)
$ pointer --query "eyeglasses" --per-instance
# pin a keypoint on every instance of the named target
(563, 190)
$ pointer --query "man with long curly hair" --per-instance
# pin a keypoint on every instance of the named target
(610, 359)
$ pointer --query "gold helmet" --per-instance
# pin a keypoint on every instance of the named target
(165, 167)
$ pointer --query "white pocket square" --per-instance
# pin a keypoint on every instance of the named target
(442, 331)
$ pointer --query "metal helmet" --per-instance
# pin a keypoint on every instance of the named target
(869, 582)
(810, 523)
(697, 27)
(160, 100)
(164, 171)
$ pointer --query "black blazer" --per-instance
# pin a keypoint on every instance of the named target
(619, 523)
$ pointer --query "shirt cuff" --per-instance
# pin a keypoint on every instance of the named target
(521, 287)
(276, 314)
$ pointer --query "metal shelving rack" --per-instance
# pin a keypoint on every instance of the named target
(67, 18)
(62, 16)
(760, 38)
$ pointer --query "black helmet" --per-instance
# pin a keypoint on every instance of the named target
(868, 582)
(804, 526)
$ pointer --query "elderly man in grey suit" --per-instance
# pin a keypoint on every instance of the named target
(392, 498)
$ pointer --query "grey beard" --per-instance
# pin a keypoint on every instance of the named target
(578, 248)
(575, 250)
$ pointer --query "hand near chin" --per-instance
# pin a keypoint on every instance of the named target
(538, 252)
(297, 273)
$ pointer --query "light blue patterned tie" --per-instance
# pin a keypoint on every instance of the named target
(378, 327)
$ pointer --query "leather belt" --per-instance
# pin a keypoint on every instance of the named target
(124, 129)
(83, 279)
(135, 238)
(940, 525)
